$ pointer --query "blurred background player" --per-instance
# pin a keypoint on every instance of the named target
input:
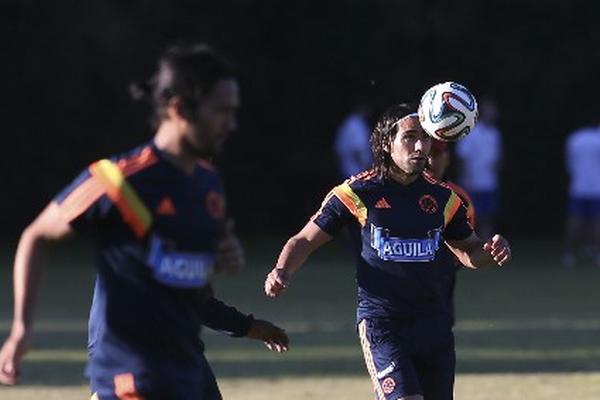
(480, 156)
(157, 215)
(437, 166)
(351, 145)
(405, 216)
(353, 153)
(582, 227)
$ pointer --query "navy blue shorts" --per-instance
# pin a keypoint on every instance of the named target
(485, 202)
(409, 357)
(584, 207)
(151, 386)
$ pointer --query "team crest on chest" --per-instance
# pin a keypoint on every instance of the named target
(428, 204)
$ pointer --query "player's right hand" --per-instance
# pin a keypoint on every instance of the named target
(276, 282)
(12, 352)
(273, 336)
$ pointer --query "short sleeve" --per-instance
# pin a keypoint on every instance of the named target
(332, 215)
(457, 222)
(83, 203)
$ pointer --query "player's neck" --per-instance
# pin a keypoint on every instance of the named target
(402, 177)
(170, 143)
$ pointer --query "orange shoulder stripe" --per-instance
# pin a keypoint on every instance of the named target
(362, 176)
(80, 199)
(138, 162)
(452, 206)
(466, 199)
(123, 196)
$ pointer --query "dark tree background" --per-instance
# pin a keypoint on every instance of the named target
(67, 64)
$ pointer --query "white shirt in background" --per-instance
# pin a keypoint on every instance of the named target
(583, 162)
(480, 153)
(352, 139)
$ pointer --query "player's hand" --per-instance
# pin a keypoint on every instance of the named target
(273, 336)
(12, 352)
(276, 282)
(230, 253)
(499, 249)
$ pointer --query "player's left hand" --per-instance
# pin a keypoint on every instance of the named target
(499, 249)
(273, 336)
(230, 253)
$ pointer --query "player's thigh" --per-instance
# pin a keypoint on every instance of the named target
(434, 357)
(436, 374)
(386, 349)
(147, 387)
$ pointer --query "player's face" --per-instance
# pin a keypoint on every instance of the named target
(216, 119)
(410, 147)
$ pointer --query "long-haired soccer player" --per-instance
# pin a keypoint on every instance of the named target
(403, 323)
(157, 215)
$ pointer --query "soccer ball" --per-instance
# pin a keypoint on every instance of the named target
(448, 111)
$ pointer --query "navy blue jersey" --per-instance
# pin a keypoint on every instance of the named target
(157, 229)
(402, 230)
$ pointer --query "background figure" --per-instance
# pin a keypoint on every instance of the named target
(351, 145)
(480, 155)
(353, 153)
(437, 166)
(582, 230)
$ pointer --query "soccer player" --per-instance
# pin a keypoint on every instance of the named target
(480, 158)
(582, 227)
(405, 217)
(157, 215)
(437, 165)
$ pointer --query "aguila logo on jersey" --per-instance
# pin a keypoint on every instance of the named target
(428, 204)
(179, 269)
(397, 249)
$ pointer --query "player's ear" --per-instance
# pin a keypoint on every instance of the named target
(174, 108)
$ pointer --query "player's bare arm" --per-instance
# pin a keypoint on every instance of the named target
(292, 257)
(49, 226)
(475, 253)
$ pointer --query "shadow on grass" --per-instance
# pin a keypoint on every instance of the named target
(339, 354)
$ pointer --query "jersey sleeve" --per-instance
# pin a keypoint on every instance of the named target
(457, 225)
(83, 203)
(340, 207)
(223, 318)
(332, 215)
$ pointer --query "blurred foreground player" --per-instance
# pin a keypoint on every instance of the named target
(437, 165)
(403, 324)
(157, 215)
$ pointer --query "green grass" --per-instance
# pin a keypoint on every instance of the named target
(530, 330)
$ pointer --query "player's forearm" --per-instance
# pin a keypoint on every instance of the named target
(477, 258)
(29, 260)
(294, 254)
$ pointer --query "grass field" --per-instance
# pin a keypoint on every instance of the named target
(530, 330)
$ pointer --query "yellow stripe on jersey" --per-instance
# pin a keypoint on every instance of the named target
(452, 206)
(352, 202)
(132, 209)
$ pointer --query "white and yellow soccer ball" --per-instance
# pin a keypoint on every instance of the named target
(448, 111)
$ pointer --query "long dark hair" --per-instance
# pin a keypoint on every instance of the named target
(184, 71)
(384, 133)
